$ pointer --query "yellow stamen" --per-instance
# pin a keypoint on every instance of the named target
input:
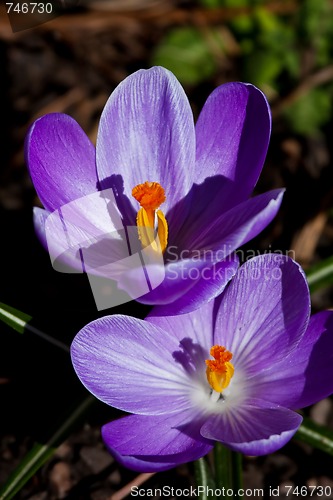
(219, 370)
(162, 230)
(151, 195)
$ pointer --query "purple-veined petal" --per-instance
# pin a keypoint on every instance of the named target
(319, 371)
(180, 277)
(233, 132)
(84, 235)
(70, 260)
(233, 228)
(215, 242)
(263, 313)
(61, 160)
(254, 428)
(154, 443)
(208, 283)
(39, 217)
(147, 133)
(196, 278)
(172, 281)
(306, 376)
(197, 325)
(130, 364)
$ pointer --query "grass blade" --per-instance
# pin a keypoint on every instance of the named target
(204, 479)
(320, 275)
(19, 321)
(316, 435)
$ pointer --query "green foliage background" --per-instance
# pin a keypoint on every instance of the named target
(277, 49)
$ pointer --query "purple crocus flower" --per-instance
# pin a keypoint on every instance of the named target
(270, 358)
(150, 154)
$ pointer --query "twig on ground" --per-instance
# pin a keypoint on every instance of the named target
(126, 490)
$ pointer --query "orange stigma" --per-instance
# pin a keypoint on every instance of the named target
(219, 370)
(151, 195)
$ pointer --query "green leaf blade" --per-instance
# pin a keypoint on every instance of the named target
(14, 318)
(204, 478)
(316, 435)
(320, 275)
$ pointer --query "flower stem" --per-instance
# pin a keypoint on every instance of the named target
(228, 469)
(237, 472)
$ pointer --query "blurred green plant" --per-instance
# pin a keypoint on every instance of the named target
(184, 51)
(310, 111)
(282, 47)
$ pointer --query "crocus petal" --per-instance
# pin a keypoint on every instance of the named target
(233, 133)
(306, 376)
(155, 443)
(179, 278)
(147, 133)
(319, 371)
(264, 312)
(210, 283)
(255, 428)
(215, 242)
(197, 325)
(39, 217)
(61, 160)
(77, 242)
(70, 260)
(129, 364)
(234, 228)
(166, 283)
